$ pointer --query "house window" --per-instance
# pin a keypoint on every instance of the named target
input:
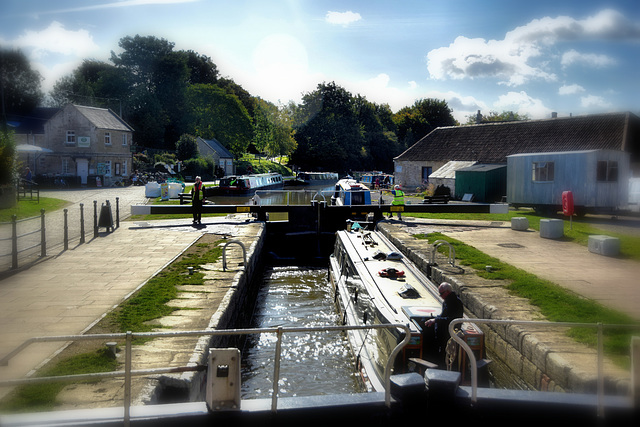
(71, 138)
(107, 168)
(107, 138)
(543, 171)
(426, 171)
(117, 169)
(124, 139)
(65, 166)
(124, 168)
(607, 170)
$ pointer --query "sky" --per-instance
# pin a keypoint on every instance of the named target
(530, 57)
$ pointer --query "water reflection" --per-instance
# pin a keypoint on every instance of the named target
(312, 363)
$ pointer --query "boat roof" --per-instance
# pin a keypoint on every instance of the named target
(351, 184)
(363, 248)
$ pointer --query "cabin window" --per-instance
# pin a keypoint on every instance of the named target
(357, 197)
(543, 171)
(607, 171)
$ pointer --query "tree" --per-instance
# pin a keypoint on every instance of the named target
(425, 115)
(187, 147)
(7, 156)
(505, 116)
(19, 85)
(213, 113)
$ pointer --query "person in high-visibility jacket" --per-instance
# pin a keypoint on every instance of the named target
(398, 199)
(197, 195)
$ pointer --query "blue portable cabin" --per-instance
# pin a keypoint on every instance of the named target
(597, 179)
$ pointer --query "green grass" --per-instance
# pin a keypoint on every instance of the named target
(31, 208)
(150, 302)
(42, 397)
(555, 303)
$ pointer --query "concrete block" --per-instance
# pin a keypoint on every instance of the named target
(519, 223)
(551, 228)
(604, 245)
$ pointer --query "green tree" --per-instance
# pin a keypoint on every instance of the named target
(7, 156)
(425, 115)
(212, 113)
(494, 116)
(187, 147)
(19, 85)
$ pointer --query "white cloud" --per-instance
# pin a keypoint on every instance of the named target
(594, 102)
(512, 59)
(572, 57)
(56, 39)
(342, 18)
(570, 89)
(522, 103)
(413, 85)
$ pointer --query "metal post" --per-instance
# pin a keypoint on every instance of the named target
(95, 218)
(600, 373)
(43, 238)
(81, 222)
(14, 242)
(117, 212)
(127, 380)
(276, 371)
(66, 231)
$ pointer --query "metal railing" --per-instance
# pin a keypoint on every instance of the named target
(128, 372)
(15, 236)
(600, 348)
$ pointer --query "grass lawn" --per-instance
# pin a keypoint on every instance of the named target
(30, 208)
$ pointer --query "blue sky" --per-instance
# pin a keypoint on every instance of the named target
(534, 57)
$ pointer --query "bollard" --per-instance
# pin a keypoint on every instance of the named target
(81, 222)
(43, 235)
(95, 218)
(66, 231)
(117, 212)
(14, 242)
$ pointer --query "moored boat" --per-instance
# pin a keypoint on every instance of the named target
(374, 284)
(350, 192)
(313, 178)
(242, 185)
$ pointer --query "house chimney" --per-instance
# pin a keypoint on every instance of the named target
(478, 117)
(554, 115)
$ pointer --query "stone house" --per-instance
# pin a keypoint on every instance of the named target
(222, 157)
(85, 143)
(491, 143)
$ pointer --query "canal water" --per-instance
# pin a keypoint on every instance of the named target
(312, 363)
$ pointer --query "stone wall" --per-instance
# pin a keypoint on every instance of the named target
(538, 359)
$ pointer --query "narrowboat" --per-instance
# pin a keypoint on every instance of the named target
(349, 192)
(243, 185)
(375, 284)
(313, 178)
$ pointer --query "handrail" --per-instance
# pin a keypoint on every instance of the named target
(129, 336)
(474, 366)
(434, 250)
(224, 253)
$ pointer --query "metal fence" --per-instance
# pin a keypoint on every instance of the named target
(128, 372)
(21, 244)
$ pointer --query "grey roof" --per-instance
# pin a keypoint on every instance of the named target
(492, 142)
(103, 118)
(217, 147)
